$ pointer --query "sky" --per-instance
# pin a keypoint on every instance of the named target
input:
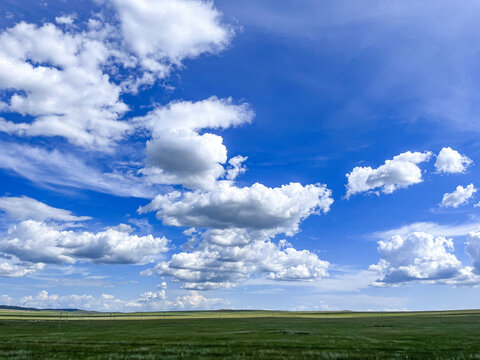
(194, 154)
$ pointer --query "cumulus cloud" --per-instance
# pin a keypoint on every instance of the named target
(147, 301)
(472, 248)
(236, 167)
(65, 19)
(450, 161)
(37, 242)
(240, 224)
(164, 32)
(225, 258)
(54, 168)
(104, 302)
(60, 80)
(417, 257)
(158, 300)
(211, 113)
(11, 266)
(400, 172)
(178, 154)
(66, 81)
(151, 300)
(23, 208)
(5, 300)
(56, 77)
(460, 196)
(194, 300)
(185, 157)
(257, 207)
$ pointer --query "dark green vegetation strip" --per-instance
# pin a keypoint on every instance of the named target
(413, 336)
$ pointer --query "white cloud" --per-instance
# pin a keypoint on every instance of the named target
(225, 258)
(5, 300)
(152, 300)
(236, 167)
(472, 248)
(340, 279)
(450, 161)
(23, 208)
(66, 82)
(44, 300)
(194, 300)
(459, 229)
(69, 81)
(417, 257)
(164, 32)
(157, 300)
(38, 242)
(241, 222)
(11, 266)
(466, 275)
(65, 19)
(185, 157)
(54, 168)
(460, 196)
(56, 77)
(178, 154)
(211, 113)
(400, 172)
(257, 207)
(147, 301)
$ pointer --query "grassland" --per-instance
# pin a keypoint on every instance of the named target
(239, 335)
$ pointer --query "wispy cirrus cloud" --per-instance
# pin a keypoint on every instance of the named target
(52, 168)
(24, 207)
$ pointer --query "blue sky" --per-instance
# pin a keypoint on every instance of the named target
(186, 154)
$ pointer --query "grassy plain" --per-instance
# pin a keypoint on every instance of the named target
(239, 335)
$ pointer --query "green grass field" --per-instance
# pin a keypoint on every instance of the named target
(239, 335)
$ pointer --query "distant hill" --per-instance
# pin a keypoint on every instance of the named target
(8, 307)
